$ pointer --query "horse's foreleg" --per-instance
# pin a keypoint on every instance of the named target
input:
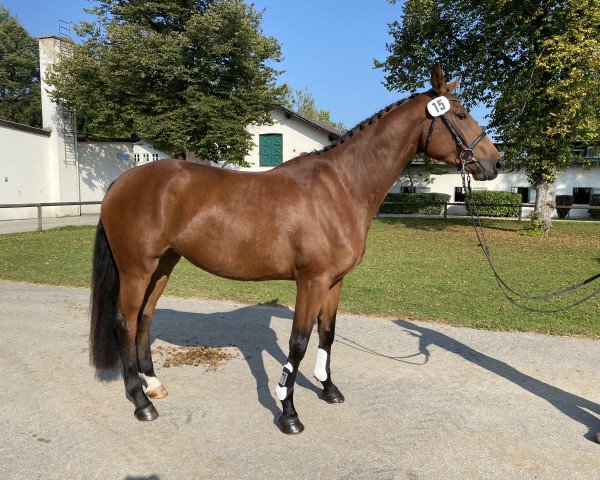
(131, 298)
(326, 319)
(154, 388)
(309, 299)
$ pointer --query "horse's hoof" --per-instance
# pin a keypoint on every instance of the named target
(333, 396)
(146, 414)
(158, 392)
(290, 426)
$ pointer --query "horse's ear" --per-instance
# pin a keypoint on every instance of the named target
(438, 83)
(452, 85)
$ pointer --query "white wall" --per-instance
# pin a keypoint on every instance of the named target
(100, 165)
(24, 170)
(29, 174)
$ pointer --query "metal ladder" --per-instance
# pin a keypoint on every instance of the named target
(68, 119)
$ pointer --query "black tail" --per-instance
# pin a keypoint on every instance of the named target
(104, 350)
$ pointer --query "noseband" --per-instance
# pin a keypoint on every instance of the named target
(466, 155)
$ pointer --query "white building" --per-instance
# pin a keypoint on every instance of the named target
(51, 165)
(290, 135)
(576, 180)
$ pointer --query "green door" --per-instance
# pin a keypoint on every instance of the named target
(270, 148)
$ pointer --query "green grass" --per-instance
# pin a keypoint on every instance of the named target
(425, 269)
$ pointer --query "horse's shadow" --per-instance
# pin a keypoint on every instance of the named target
(247, 328)
(571, 405)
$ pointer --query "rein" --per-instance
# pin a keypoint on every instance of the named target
(466, 180)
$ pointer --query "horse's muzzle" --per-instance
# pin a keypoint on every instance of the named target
(482, 170)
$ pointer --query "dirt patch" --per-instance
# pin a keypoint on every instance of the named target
(193, 355)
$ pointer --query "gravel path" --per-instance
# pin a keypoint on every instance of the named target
(31, 224)
(423, 401)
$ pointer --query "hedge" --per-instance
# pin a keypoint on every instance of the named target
(414, 203)
(488, 203)
(594, 202)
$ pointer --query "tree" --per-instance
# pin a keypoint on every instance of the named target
(20, 98)
(535, 62)
(186, 75)
(303, 102)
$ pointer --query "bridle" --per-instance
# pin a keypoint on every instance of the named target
(466, 155)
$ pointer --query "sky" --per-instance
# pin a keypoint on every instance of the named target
(328, 46)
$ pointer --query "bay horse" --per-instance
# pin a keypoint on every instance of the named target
(313, 212)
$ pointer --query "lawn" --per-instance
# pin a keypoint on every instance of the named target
(422, 269)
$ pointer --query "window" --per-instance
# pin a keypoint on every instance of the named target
(408, 190)
(582, 195)
(524, 191)
(146, 157)
(459, 194)
(136, 157)
(154, 157)
(592, 152)
(270, 149)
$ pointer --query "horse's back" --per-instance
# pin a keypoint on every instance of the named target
(223, 221)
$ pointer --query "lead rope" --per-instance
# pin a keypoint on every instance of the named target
(466, 180)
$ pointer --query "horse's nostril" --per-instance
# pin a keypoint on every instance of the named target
(498, 164)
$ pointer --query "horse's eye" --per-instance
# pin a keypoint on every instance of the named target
(461, 116)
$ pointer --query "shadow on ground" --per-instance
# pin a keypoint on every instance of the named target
(133, 477)
(247, 329)
(571, 405)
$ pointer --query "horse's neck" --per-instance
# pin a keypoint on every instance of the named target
(372, 159)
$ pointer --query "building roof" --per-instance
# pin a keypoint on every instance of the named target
(333, 132)
(25, 128)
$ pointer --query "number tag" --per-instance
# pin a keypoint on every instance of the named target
(438, 106)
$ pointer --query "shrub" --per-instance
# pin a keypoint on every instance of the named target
(563, 200)
(594, 202)
(414, 203)
(490, 203)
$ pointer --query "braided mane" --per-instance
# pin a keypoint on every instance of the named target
(361, 125)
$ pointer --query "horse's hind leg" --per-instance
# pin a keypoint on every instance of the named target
(154, 388)
(131, 297)
(326, 319)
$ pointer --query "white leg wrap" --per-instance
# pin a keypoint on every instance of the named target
(281, 393)
(321, 365)
(281, 390)
(151, 382)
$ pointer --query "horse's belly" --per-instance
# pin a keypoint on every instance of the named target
(239, 262)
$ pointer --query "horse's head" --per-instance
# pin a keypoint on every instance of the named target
(452, 136)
